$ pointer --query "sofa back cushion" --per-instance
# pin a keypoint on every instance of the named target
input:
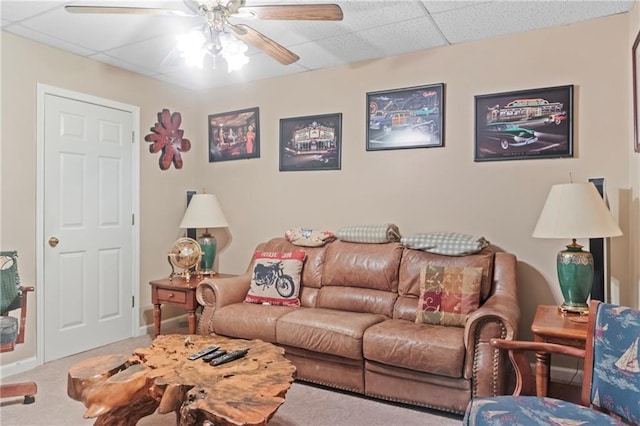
(311, 269)
(413, 260)
(360, 277)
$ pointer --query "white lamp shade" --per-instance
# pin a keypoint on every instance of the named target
(575, 210)
(204, 211)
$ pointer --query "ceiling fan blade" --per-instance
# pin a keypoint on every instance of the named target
(126, 10)
(307, 12)
(264, 43)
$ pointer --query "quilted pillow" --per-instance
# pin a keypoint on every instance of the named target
(276, 278)
(448, 294)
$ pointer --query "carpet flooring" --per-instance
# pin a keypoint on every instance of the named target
(305, 405)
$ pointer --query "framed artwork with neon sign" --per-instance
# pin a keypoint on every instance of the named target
(525, 124)
(411, 117)
(311, 143)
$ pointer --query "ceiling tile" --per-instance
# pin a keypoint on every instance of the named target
(13, 11)
(48, 40)
(101, 32)
(497, 18)
(371, 29)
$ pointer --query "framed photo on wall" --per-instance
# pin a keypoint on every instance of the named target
(635, 63)
(311, 143)
(525, 124)
(411, 117)
(234, 135)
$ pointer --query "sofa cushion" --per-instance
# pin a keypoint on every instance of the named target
(373, 266)
(448, 294)
(413, 260)
(276, 278)
(249, 321)
(327, 331)
(434, 349)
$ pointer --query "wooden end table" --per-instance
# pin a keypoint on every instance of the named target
(552, 326)
(177, 291)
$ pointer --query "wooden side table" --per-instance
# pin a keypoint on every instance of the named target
(177, 291)
(552, 326)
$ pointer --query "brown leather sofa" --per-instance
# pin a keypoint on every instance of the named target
(355, 329)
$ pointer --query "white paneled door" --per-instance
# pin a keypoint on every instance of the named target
(88, 233)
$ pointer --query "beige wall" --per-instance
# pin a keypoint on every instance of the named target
(441, 188)
(418, 189)
(162, 192)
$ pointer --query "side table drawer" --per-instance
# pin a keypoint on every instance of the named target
(172, 296)
(576, 343)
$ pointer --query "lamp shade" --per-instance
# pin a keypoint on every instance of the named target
(204, 211)
(575, 210)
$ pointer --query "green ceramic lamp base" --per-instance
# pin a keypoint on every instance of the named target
(575, 275)
(208, 245)
(574, 309)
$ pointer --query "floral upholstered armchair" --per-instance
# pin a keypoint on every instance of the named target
(610, 384)
(13, 296)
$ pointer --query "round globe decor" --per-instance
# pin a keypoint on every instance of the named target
(185, 253)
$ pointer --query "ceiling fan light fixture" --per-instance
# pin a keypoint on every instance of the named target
(191, 47)
(233, 51)
(195, 45)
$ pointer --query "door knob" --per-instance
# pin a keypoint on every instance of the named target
(53, 241)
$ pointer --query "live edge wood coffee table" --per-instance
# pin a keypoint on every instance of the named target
(122, 389)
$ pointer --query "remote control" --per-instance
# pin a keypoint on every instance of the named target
(203, 352)
(213, 355)
(229, 356)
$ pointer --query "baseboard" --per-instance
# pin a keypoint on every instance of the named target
(180, 322)
(17, 367)
(566, 375)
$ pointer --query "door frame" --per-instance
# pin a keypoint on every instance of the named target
(42, 91)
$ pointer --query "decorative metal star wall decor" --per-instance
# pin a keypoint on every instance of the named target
(168, 138)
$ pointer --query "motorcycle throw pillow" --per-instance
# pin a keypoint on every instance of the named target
(276, 278)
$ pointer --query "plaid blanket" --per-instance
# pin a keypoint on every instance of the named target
(447, 243)
(373, 234)
(307, 237)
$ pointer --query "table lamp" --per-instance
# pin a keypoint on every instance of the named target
(204, 211)
(575, 210)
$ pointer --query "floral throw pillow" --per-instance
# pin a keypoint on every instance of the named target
(448, 294)
(276, 278)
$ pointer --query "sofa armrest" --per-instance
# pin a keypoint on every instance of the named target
(215, 292)
(498, 317)
(525, 383)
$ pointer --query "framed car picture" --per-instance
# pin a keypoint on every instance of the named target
(411, 117)
(525, 124)
(311, 143)
(234, 135)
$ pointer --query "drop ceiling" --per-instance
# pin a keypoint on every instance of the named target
(145, 44)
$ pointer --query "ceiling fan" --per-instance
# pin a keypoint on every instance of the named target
(217, 26)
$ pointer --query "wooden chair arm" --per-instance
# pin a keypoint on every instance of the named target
(23, 313)
(525, 383)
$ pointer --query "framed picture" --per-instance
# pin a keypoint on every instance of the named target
(234, 135)
(525, 124)
(405, 118)
(311, 143)
(635, 61)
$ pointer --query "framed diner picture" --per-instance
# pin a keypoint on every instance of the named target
(311, 143)
(234, 135)
(525, 124)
